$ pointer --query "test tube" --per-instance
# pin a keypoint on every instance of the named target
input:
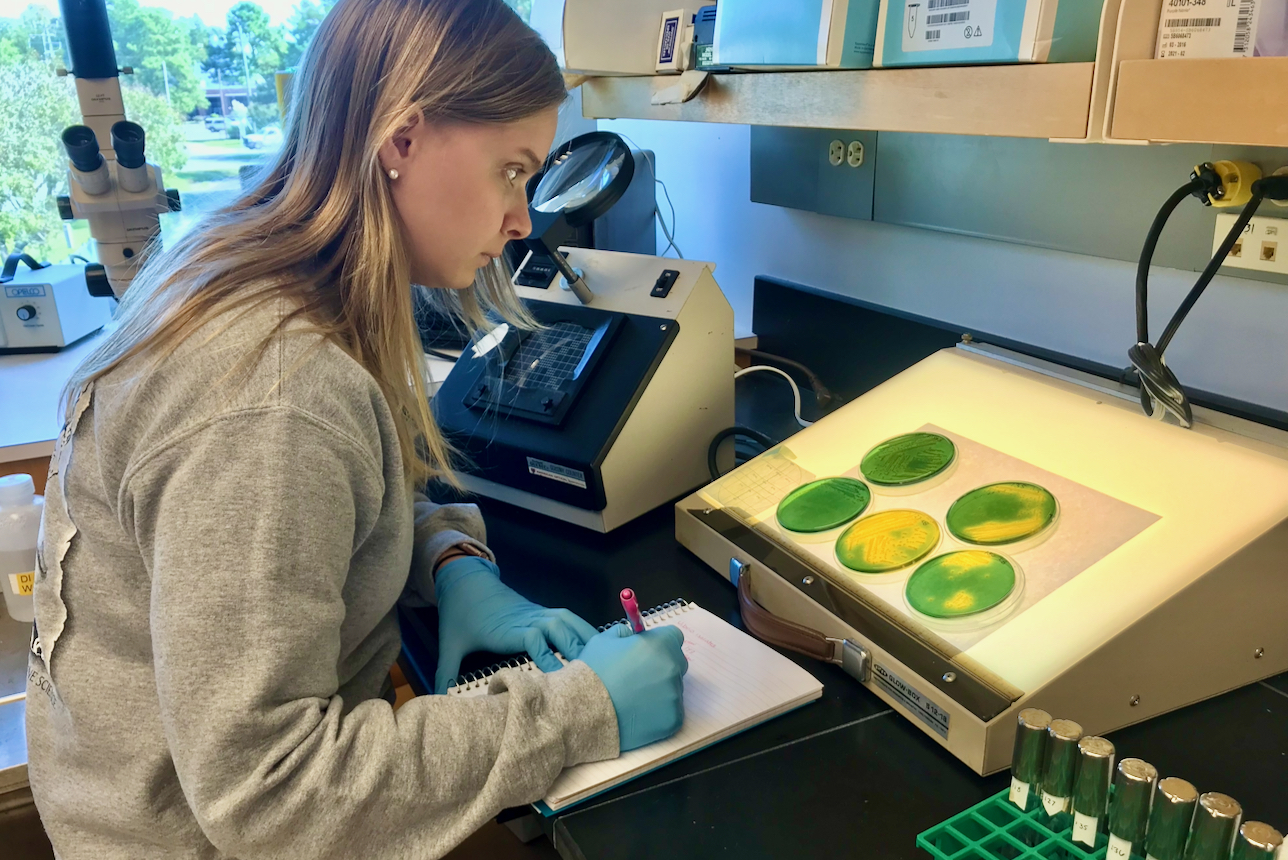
(1129, 812)
(1091, 788)
(1029, 754)
(1061, 765)
(1212, 833)
(1169, 819)
(1257, 841)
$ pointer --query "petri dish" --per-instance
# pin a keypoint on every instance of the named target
(963, 584)
(822, 505)
(1003, 513)
(887, 541)
(908, 459)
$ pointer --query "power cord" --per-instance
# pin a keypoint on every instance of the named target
(668, 232)
(737, 430)
(1160, 391)
(796, 392)
(823, 395)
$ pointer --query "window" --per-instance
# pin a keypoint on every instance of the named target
(204, 88)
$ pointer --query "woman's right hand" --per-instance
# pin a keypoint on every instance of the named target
(644, 676)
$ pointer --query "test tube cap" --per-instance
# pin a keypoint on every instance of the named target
(1212, 833)
(1030, 745)
(1061, 757)
(1095, 768)
(1257, 841)
(1133, 786)
(1169, 820)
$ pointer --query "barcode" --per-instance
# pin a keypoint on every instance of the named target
(932, 35)
(931, 5)
(1243, 31)
(947, 18)
(1192, 22)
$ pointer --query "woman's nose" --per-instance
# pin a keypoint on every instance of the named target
(517, 223)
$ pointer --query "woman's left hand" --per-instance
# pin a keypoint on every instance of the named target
(477, 612)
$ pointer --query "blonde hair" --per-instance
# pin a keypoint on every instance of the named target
(319, 225)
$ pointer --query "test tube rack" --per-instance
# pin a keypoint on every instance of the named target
(996, 829)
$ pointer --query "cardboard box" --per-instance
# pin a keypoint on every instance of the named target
(795, 34)
(1248, 28)
(958, 32)
(601, 37)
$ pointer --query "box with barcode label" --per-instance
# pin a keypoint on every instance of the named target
(1205, 29)
(957, 32)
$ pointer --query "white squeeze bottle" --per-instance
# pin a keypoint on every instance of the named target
(20, 510)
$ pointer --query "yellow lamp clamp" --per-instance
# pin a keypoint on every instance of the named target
(1236, 183)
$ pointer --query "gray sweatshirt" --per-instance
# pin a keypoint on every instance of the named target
(216, 634)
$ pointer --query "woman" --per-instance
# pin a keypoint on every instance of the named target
(231, 520)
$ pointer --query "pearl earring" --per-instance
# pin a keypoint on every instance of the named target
(393, 174)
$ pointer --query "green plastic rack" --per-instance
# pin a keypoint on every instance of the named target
(997, 829)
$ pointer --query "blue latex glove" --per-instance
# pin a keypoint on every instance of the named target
(477, 612)
(644, 675)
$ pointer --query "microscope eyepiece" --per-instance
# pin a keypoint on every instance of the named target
(127, 142)
(82, 148)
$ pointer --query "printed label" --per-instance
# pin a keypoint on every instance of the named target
(940, 25)
(30, 291)
(1054, 805)
(1119, 848)
(1084, 829)
(912, 699)
(1207, 28)
(22, 583)
(555, 472)
(670, 27)
(1019, 794)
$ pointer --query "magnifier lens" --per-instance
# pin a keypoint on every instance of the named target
(579, 177)
(127, 142)
(82, 148)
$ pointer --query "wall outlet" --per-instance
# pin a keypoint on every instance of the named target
(1263, 247)
(836, 153)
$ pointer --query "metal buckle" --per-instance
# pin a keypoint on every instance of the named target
(854, 659)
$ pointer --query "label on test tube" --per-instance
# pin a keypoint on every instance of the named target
(1019, 794)
(1119, 848)
(1084, 829)
(1054, 805)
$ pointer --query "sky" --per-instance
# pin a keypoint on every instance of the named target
(213, 12)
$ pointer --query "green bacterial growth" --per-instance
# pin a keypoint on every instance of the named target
(1001, 513)
(823, 504)
(962, 583)
(908, 459)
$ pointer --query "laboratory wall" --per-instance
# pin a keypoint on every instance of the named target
(1234, 343)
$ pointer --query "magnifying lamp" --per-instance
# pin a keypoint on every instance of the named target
(581, 180)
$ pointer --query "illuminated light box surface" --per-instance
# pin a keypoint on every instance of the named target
(1144, 507)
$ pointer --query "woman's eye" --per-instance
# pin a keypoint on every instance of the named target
(512, 173)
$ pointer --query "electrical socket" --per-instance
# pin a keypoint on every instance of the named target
(1263, 247)
(836, 153)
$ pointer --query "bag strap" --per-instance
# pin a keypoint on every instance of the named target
(11, 265)
(764, 625)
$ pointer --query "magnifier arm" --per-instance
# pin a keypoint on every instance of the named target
(576, 282)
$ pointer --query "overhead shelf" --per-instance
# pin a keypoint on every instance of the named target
(1044, 100)
(1241, 100)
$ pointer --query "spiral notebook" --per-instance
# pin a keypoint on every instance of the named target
(734, 682)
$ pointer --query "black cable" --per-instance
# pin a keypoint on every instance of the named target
(1147, 254)
(737, 430)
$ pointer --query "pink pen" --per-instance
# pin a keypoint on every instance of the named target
(632, 610)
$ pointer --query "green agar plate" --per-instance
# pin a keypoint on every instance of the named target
(959, 584)
(908, 459)
(824, 504)
(1001, 513)
(887, 541)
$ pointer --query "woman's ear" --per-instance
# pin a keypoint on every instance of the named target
(396, 152)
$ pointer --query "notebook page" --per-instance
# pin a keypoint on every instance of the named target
(733, 681)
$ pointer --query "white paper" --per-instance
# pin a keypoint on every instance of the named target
(1019, 794)
(939, 25)
(1084, 829)
(1054, 805)
(1119, 848)
(1187, 29)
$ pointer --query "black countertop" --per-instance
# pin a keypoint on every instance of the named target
(842, 777)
